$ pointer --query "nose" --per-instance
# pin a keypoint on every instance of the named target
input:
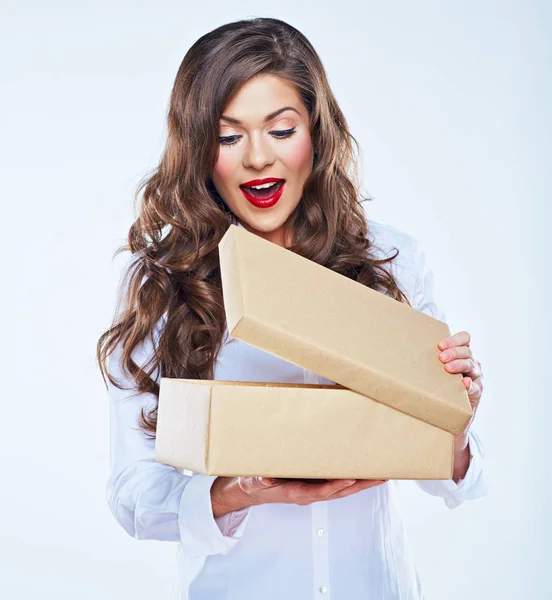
(258, 153)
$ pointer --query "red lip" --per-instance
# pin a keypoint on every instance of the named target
(264, 202)
(262, 181)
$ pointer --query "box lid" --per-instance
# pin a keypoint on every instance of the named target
(311, 316)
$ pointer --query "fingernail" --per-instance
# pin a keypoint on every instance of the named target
(348, 482)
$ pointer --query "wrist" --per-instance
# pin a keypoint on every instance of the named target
(460, 442)
(462, 459)
(227, 496)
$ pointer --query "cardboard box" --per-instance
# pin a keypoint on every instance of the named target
(295, 431)
(342, 330)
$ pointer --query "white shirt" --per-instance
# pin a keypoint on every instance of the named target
(353, 547)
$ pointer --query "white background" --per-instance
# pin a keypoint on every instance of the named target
(450, 103)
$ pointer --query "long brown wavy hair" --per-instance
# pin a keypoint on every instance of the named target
(174, 274)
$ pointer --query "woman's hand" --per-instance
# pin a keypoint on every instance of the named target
(458, 358)
(233, 493)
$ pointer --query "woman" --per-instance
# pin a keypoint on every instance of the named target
(256, 138)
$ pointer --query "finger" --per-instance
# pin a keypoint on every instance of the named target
(468, 383)
(473, 388)
(454, 353)
(253, 484)
(466, 366)
(462, 338)
(305, 493)
(330, 487)
(474, 397)
(361, 484)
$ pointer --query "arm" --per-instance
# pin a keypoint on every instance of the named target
(151, 500)
(468, 480)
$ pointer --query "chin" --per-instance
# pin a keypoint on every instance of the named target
(265, 222)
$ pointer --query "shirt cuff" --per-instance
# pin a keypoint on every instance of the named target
(200, 533)
(233, 524)
(471, 487)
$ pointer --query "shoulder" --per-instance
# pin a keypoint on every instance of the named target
(410, 267)
(385, 238)
(388, 241)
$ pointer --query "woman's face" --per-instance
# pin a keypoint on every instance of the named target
(264, 134)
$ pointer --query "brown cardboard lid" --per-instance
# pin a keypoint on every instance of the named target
(311, 316)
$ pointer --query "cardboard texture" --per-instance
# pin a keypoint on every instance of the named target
(342, 330)
(295, 431)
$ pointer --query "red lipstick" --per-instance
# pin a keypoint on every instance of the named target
(261, 181)
(259, 198)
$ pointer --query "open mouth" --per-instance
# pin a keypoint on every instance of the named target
(262, 192)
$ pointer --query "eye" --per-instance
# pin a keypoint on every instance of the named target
(229, 140)
(282, 134)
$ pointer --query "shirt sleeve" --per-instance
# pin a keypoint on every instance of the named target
(473, 485)
(151, 500)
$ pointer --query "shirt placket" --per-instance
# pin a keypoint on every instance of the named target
(320, 551)
(320, 539)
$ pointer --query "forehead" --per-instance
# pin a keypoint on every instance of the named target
(261, 96)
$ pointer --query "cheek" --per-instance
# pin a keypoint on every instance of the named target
(224, 169)
(298, 156)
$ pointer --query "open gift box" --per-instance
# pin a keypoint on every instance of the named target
(392, 414)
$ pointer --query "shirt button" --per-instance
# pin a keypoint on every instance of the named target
(323, 589)
(320, 532)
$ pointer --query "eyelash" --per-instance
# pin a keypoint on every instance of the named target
(287, 133)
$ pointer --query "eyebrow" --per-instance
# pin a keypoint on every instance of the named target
(266, 119)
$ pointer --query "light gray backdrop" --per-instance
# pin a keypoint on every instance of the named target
(451, 105)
